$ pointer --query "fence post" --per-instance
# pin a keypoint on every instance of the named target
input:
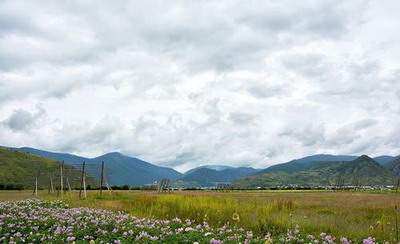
(51, 184)
(83, 185)
(61, 178)
(101, 179)
(36, 186)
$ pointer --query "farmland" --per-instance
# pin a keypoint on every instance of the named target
(355, 215)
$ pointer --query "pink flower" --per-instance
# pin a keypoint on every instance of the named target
(213, 241)
(370, 240)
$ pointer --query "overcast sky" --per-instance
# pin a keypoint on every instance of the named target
(186, 83)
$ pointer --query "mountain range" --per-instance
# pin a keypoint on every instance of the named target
(313, 171)
(320, 169)
(208, 176)
(119, 169)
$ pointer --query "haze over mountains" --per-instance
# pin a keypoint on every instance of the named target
(315, 170)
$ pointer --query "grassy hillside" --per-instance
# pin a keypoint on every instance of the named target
(361, 171)
(20, 169)
(306, 162)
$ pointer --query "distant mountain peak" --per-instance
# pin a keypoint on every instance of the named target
(365, 157)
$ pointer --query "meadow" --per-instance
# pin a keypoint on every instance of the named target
(355, 215)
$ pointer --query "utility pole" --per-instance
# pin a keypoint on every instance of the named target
(83, 185)
(101, 179)
(61, 178)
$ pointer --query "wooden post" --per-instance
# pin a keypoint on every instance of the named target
(69, 186)
(84, 186)
(36, 186)
(82, 182)
(61, 178)
(101, 179)
(51, 184)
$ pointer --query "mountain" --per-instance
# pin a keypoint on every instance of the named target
(360, 171)
(123, 170)
(383, 160)
(211, 166)
(303, 163)
(119, 169)
(68, 158)
(207, 176)
(19, 168)
(394, 166)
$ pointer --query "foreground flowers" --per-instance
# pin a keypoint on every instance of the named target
(43, 221)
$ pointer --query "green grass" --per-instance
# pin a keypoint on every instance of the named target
(18, 168)
(351, 214)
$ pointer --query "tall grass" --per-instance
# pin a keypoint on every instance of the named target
(351, 214)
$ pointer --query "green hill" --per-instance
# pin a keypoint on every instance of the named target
(361, 171)
(19, 170)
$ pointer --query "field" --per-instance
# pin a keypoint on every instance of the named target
(355, 215)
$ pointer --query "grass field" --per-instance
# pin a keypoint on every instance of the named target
(352, 214)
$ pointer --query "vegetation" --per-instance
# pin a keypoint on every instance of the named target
(355, 215)
(18, 171)
(363, 171)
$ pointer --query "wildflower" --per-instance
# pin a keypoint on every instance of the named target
(369, 240)
(213, 241)
(344, 240)
(70, 239)
(235, 217)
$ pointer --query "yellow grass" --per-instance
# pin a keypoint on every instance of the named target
(350, 214)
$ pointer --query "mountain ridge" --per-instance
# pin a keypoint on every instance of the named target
(120, 169)
(361, 171)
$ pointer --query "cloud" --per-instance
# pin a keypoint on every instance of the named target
(189, 83)
(22, 120)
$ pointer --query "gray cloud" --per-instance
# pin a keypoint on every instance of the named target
(22, 120)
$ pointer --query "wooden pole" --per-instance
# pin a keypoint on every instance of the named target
(51, 184)
(61, 178)
(35, 189)
(84, 186)
(36, 186)
(69, 186)
(101, 179)
(82, 181)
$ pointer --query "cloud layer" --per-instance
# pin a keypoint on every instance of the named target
(185, 83)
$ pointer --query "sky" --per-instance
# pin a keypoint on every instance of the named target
(188, 83)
